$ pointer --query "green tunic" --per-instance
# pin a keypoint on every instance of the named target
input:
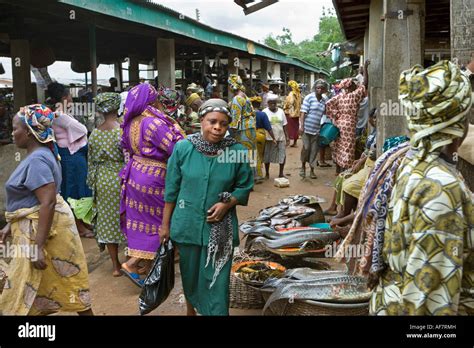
(194, 181)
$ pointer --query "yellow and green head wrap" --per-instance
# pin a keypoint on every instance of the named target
(191, 99)
(235, 82)
(256, 99)
(436, 101)
(107, 102)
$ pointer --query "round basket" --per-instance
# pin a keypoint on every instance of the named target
(245, 296)
(310, 307)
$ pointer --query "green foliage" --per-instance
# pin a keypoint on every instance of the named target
(328, 32)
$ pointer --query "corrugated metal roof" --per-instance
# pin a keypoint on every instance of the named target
(166, 19)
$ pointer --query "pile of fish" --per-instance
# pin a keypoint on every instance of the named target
(322, 286)
(301, 238)
(279, 216)
(304, 239)
(257, 273)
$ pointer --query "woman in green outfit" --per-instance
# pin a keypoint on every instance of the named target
(105, 162)
(208, 175)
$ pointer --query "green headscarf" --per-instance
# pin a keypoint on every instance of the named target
(107, 102)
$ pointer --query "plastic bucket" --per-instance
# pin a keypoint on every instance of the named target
(328, 133)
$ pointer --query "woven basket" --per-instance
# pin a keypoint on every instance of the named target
(310, 307)
(244, 296)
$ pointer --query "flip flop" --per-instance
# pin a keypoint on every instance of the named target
(134, 277)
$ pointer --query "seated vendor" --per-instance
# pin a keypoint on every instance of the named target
(193, 102)
(358, 172)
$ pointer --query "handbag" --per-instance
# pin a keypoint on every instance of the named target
(160, 281)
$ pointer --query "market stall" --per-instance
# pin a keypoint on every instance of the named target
(286, 266)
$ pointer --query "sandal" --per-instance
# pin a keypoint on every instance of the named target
(323, 165)
(134, 277)
(313, 176)
(303, 173)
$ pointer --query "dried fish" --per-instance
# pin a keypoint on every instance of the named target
(309, 273)
(342, 289)
(298, 238)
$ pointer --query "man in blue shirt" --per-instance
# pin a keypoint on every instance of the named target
(312, 110)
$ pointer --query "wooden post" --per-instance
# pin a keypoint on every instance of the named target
(93, 58)
(20, 54)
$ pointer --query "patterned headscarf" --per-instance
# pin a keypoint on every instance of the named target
(191, 99)
(107, 102)
(436, 101)
(39, 120)
(214, 104)
(170, 99)
(235, 83)
(256, 99)
(294, 86)
(346, 83)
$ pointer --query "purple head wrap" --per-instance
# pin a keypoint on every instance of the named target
(138, 98)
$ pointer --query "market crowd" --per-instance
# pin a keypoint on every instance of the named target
(150, 173)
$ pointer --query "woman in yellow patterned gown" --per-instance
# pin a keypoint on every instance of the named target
(428, 250)
(242, 127)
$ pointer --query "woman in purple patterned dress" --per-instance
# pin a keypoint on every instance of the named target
(149, 137)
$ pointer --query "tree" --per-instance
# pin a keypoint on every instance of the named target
(329, 31)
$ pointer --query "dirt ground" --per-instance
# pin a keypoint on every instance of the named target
(119, 296)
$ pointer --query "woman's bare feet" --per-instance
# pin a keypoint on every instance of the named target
(340, 221)
(330, 212)
(131, 265)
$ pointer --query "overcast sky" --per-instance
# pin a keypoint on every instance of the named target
(300, 16)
